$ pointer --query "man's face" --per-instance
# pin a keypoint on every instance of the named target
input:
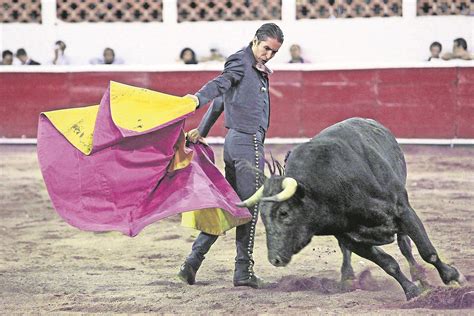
(457, 48)
(108, 57)
(295, 52)
(263, 51)
(435, 51)
(187, 56)
(22, 58)
(8, 60)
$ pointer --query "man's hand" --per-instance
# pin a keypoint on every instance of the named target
(194, 136)
(195, 98)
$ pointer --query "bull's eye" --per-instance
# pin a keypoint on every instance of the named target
(283, 214)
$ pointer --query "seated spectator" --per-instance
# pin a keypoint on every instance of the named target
(23, 57)
(188, 56)
(459, 50)
(215, 56)
(59, 57)
(295, 52)
(435, 50)
(7, 58)
(107, 59)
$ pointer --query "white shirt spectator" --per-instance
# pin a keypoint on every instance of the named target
(101, 61)
(62, 60)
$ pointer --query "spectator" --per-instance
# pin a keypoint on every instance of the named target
(459, 50)
(59, 57)
(435, 50)
(23, 57)
(188, 56)
(7, 58)
(215, 56)
(107, 59)
(295, 52)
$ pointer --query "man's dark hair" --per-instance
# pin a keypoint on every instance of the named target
(461, 42)
(438, 44)
(21, 52)
(7, 52)
(184, 50)
(61, 43)
(269, 30)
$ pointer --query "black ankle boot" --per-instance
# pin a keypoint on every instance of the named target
(187, 273)
(202, 244)
(254, 281)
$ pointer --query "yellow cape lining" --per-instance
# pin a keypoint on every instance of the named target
(138, 109)
(132, 108)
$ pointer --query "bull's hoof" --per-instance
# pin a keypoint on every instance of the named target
(454, 277)
(461, 278)
(412, 292)
(348, 285)
(349, 281)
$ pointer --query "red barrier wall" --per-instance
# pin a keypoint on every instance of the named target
(413, 103)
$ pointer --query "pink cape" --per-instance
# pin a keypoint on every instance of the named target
(125, 183)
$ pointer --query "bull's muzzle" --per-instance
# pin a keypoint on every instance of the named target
(278, 261)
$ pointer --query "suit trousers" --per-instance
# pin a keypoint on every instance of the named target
(244, 163)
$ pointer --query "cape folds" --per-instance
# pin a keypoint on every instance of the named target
(123, 164)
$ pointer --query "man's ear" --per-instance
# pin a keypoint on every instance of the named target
(255, 41)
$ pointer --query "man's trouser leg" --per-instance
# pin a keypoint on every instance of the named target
(244, 156)
(200, 248)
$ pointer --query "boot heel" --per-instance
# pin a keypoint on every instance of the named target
(254, 282)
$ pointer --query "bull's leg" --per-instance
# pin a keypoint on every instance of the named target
(347, 273)
(416, 271)
(385, 261)
(414, 228)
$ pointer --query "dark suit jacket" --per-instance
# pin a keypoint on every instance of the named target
(242, 87)
(215, 110)
(32, 62)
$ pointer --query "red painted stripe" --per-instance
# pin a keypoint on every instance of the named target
(413, 103)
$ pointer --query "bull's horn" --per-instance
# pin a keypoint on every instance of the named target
(254, 199)
(289, 186)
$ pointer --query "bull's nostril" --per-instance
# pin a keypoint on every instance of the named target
(276, 261)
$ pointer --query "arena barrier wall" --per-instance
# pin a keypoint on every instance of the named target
(414, 102)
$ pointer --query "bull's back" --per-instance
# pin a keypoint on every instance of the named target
(370, 140)
(356, 156)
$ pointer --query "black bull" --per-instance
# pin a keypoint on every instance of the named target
(348, 181)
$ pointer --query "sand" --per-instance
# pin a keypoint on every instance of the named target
(48, 266)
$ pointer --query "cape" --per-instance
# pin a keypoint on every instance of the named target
(124, 164)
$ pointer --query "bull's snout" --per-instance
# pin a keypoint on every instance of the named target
(278, 261)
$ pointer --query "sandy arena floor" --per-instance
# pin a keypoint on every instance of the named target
(48, 266)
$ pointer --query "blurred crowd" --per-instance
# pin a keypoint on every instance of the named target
(188, 56)
(459, 51)
(59, 57)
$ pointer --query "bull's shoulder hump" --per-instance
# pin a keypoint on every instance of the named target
(317, 150)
